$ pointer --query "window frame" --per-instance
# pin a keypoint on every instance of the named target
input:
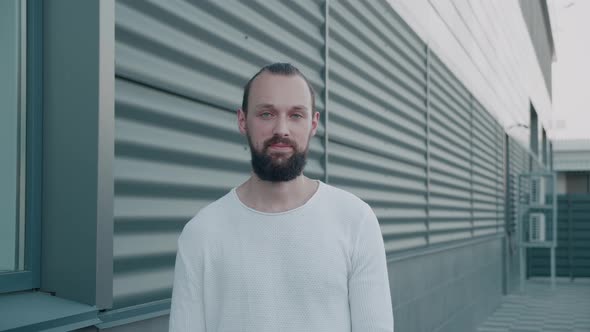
(32, 31)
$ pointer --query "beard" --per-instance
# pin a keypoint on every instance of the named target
(275, 167)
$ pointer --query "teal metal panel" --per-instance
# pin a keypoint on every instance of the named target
(378, 144)
(38, 311)
(377, 122)
(207, 50)
(579, 236)
(180, 70)
(486, 169)
(500, 176)
(573, 240)
(78, 143)
(452, 201)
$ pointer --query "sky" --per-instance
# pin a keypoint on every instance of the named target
(571, 71)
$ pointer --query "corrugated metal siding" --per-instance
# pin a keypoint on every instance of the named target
(485, 169)
(500, 177)
(377, 117)
(180, 70)
(452, 199)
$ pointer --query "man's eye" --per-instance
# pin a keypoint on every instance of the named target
(297, 116)
(265, 115)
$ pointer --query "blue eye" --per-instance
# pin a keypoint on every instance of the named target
(297, 116)
(265, 115)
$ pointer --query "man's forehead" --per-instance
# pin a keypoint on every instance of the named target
(267, 78)
(263, 106)
(269, 88)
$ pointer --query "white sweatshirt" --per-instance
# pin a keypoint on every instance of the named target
(319, 267)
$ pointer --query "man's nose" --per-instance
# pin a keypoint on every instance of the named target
(281, 127)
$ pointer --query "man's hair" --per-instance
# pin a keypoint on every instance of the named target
(278, 68)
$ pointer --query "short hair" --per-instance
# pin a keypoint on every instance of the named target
(278, 68)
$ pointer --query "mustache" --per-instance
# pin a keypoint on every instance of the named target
(279, 140)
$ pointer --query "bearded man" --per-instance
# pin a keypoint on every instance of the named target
(281, 252)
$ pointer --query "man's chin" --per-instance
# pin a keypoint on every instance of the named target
(280, 157)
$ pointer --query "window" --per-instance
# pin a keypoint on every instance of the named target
(534, 138)
(20, 144)
(12, 144)
(544, 148)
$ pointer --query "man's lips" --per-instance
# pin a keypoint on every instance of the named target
(281, 147)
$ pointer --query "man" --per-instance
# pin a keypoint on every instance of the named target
(281, 252)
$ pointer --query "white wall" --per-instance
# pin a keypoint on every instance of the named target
(486, 44)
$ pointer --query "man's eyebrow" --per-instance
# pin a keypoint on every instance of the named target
(294, 107)
(299, 108)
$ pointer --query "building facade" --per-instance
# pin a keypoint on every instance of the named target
(572, 164)
(131, 129)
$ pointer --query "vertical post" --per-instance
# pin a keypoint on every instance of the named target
(552, 268)
(78, 150)
(105, 154)
(569, 237)
(326, 87)
(34, 137)
(521, 247)
(554, 217)
(22, 135)
(499, 185)
(471, 214)
(507, 212)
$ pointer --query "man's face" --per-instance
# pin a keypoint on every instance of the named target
(279, 125)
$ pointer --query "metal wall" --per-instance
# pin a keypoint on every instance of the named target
(180, 69)
(377, 133)
(403, 133)
(518, 163)
(573, 241)
(536, 17)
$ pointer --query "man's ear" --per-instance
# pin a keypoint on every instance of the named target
(315, 119)
(242, 121)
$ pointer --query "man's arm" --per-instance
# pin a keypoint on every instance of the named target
(368, 283)
(187, 312)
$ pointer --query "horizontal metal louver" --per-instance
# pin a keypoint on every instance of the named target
(500, 177)
(377, 117)
(180, 70)
(393, 107)
(450, 156)
(485, 171)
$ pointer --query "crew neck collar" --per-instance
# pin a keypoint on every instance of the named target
(307, 203)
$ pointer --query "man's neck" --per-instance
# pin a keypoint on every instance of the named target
(273, 197)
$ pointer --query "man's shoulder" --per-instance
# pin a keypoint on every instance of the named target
(343, 200)
(212, 213)
(344, 197)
